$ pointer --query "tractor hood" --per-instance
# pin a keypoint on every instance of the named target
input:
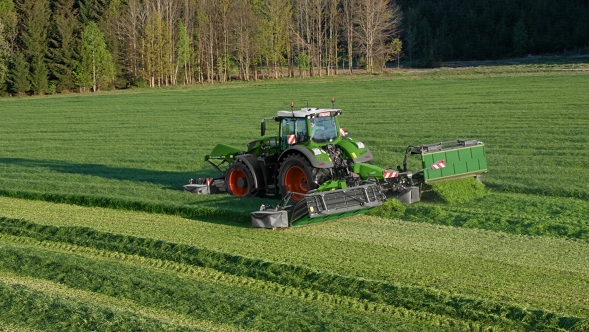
(354, 150)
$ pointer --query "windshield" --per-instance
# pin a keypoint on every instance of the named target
(323, 129)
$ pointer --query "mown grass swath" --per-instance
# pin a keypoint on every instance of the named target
(413, 298)
(419, 254)
(22, 306)
(223, 304)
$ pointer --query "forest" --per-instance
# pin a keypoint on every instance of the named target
(49, 46)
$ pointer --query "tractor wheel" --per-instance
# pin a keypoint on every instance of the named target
(239, 180)
(295, 175)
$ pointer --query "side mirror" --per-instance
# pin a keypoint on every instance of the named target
(263, 128)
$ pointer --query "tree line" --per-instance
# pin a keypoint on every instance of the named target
(66, 45)
(51, 46)
(492, 29)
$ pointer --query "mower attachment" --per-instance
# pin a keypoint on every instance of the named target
(462, 158)
(205, 186)
(322, 206)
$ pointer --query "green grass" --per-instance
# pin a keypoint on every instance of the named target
(146, 145)
(132, 151)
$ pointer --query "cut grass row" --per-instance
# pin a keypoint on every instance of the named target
(27, 308)
(103, 302)
(210, 275)
(234, 305)
(411, 298)
(540, 272)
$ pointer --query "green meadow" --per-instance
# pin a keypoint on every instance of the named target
(94, 224)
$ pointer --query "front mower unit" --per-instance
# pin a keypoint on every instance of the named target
(321, 206)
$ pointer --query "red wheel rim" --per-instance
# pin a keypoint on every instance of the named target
(234, 177)
(295, 180)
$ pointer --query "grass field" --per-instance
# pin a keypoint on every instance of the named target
(134, 250)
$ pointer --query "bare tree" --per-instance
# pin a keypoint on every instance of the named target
(348, 19)
(244, 29)
(377, 21)
(313, 21)
(333, 29)
(207, 35)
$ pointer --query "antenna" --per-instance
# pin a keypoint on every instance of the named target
(292, 108)
(333, 102)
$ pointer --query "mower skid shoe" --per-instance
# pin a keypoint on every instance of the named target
(205, 186)
(335, 204)
(270, 219)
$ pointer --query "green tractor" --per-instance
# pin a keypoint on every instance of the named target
(323, 174)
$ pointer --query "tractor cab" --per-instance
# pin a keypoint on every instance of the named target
(312, 127)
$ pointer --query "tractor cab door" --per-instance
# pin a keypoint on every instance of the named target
(292, 131)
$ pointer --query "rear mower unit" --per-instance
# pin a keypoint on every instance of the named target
(323, 174)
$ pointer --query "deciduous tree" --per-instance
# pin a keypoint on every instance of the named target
(377, 21)
(183, 51)
(3, 57)
(245, 28)
(276, 16)
(96, 59)
(348, 20)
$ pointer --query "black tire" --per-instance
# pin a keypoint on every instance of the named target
(295, 175)
(239, 180)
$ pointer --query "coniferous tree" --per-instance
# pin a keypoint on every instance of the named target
(520, 38)
(64, 44)
(91, 10)
(35, 23)
(18, 75)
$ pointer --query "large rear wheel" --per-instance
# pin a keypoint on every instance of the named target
(296, 175)
(239, 180)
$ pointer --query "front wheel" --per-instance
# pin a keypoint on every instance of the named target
(239, 180)
(295, 175)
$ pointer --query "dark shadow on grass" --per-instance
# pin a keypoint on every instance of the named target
(167, 179)
(219, 209)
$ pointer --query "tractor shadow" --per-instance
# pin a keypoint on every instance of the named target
(166, 179)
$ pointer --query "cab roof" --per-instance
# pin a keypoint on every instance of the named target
(310, 112)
